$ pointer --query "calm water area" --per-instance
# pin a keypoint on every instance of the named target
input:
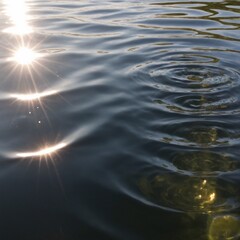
(120, 120)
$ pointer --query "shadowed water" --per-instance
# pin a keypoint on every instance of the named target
(120, 120)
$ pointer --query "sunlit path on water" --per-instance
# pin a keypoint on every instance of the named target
(25, 57)
(17, 11)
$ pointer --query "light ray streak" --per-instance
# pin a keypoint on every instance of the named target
(32, 96)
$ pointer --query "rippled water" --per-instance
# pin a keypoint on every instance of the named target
(120, 120)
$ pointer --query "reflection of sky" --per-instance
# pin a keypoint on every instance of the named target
(17, 10)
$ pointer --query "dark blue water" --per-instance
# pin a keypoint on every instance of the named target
(119, 120)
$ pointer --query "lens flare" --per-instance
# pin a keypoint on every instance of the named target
(46, 151)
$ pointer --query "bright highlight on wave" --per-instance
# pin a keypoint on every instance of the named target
(47, 151)
(32, 96)
(25, 56)
(17, 10)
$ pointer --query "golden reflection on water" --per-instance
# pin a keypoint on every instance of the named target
(224, 227)
(190, 194)
(204, 196)
(17, 11)
(204, 136)
(204, 162)
(46, 151)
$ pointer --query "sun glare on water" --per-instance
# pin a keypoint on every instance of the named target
(33, 96)
(25, 56)
(17, 11)
(43, 152)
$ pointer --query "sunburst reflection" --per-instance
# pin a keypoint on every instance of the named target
(46, 151)
(25, 56)
(17, 11)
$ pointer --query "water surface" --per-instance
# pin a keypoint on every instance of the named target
(119, 120)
